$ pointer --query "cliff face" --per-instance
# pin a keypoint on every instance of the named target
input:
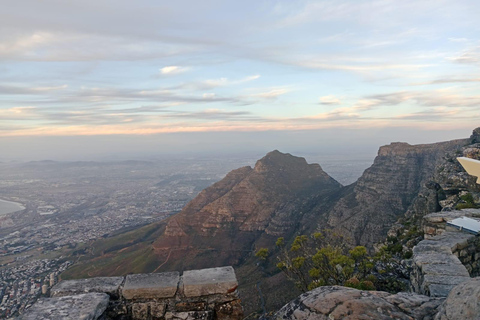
(387, 190)
(248, 207)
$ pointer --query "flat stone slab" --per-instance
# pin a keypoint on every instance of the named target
(435, 258)
(440, 290)
(109, 285)
(450, 269)
(88, 306)
(209, 281)
(445, 279)
(151, 285)
(445, 216)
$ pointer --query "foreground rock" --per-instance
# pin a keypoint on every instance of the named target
(108, 285)
(463, 302)
(89, 306)
(336, 302)
(346, 303)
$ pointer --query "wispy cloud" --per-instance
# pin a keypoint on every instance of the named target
(272, 93)
(221, 82)
(173, 70)
(452, 79)
(468, 56)
(329, 100)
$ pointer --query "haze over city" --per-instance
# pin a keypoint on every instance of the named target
(97, 80)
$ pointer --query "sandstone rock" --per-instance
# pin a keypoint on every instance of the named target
(472, 153)
(436, 269)
(463, 302)
(209, 281)
(157, 309)
(346, 303)
(152, 285)
(89, 306)
(229, 311)
(139, 311)
(109, 285)
(192, 315)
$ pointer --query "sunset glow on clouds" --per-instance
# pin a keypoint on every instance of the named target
(82, 68)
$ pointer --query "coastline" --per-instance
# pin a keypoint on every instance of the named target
(20, 207)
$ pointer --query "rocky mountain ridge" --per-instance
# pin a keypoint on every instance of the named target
(284, 196)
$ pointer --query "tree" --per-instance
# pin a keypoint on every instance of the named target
(262, 254)
(324, 259)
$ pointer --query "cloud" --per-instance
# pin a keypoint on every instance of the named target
(469, 56)
(333, 64)
(221, 82)
(18, 113)
(271, 94)
(329, 100)
(458, 39)
(433, 98)
(173, 70)
(451, 79)
(24, 90)
(208, 95)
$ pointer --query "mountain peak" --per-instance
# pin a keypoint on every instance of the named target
(278, 160)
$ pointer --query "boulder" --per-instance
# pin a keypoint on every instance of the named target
(463, 302)
(89, 306)
(335, 302)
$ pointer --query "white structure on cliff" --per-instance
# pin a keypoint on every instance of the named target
(472, 166)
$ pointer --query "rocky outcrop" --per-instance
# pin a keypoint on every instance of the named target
(462, 302)
(436, 270)
(336, 302)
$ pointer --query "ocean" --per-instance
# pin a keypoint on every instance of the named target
(9, 207)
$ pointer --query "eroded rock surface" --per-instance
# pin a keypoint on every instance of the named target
(109, 285)
(209, 281)
(89, 306)
(336, 302)
(437, 267)
(463, 302)
(151, 285)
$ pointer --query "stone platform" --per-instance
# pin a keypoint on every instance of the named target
(197, 294)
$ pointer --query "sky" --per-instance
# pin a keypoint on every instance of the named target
(87, 78)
